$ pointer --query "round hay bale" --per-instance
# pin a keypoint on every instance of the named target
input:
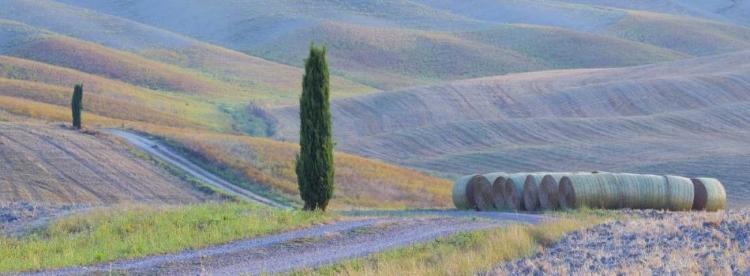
(463, 192)
(531, 191)
(589, 190)
(548, 196)
(513, 192)
(643, 191)
(498, 185)
(709, 195)
(483, 194)
(680, 193)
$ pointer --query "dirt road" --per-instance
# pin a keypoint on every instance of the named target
(299, 249)
(165, 153)
(369, 232)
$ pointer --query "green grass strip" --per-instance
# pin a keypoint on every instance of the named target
(109, 234)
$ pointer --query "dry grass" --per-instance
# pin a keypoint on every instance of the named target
(54, 165)
(684, 118)
(360, 182)
(696, 37)
(269, 81)
(681, 243)
(49, 84)
(126, 67)
(463, 254)
(129, 231)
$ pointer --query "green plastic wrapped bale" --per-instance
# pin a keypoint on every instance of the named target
(589, 190)
(709, 195)
(548, 197)
(498, 185)
(463, 192)
(483, 194)
(513, 192)
(680, 192)
(643, 191)
(531, 191)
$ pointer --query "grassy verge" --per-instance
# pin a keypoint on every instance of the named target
(109, 234)
(467, 253)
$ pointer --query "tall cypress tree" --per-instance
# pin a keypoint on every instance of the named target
(77, 105)
(315, 161)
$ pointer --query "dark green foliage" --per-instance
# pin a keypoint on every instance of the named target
(315, 161)
(77, 105)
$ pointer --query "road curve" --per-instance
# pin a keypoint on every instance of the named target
(308, 248)
(163, 152)
(367, 232)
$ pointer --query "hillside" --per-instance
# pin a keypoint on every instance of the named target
(48, 164)
(670, 115)
(360, 182)
(392, 58)
(47, 84)
(199, 73)
(687, 35)
(145, 56)
(473, 39)
(730, 11)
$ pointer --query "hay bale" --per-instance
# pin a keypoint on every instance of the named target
(498, 185)
(709, 195)
(513, 192)
(643, 191)
(589, 190)
(463, 192)
(680, 193)
(548, 196)
(483, 194)
(531, 191)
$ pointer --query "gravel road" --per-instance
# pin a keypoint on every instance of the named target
(299, 249)
(294, 250)
(165, 153)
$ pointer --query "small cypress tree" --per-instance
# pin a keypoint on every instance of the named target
(315, 161)
(77, 105)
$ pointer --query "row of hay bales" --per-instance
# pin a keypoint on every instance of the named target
(552, 191)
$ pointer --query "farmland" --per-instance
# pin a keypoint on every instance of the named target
(48, 164)
(360, 182)
(603, 119)
(423, 92)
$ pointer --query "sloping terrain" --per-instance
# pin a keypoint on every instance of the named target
(392, 58)
(667, 118)
(47, 84)
(268, 164)
(148, 66)
(49, 164)
(397, 44)
(730, 11)
(687, 35)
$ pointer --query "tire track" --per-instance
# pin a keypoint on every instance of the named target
(308, 248)
(163, 152)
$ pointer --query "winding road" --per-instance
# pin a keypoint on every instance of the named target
(168, 155)
(360, 234)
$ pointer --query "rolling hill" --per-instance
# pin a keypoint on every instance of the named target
(670, 115)
(50, 164)
(376, 44)
(269, 164)
(199, 74)
(729, 11)
(392, 58)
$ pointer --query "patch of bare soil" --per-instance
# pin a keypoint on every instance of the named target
(653, 243)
